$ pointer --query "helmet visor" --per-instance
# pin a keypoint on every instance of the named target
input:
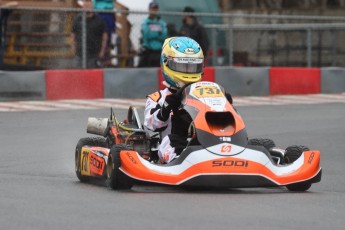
(186, 65)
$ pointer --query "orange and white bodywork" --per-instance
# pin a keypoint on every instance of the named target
(250, 168)
(93, 161)
(218, 154)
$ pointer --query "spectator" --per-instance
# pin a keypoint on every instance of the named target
(96, 37)
(191, 28)
(4, 13)
(125, 58)
(154, 32)
(108, 18)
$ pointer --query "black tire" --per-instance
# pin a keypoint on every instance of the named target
(267, 143)
(116, 179)
(298, 187)
(292, 153)
(91, 141)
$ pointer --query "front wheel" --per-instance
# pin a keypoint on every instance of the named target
(116, 179)
(90, 141)
(292, 153)
(298, 187)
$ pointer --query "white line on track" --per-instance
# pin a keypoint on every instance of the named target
(19, 106)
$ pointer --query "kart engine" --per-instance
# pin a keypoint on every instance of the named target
(137, 140)
(129, 132)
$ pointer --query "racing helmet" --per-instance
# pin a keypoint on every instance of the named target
(182, 61)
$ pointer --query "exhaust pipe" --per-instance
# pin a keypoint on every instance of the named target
(97, 126)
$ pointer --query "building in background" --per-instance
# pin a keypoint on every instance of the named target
(42, 39)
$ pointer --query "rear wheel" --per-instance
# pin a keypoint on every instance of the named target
(267, 143)
(91, 141)
(116, 179)
(291, 155)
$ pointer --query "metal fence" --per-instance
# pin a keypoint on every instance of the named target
(280, 45)
(235, 39)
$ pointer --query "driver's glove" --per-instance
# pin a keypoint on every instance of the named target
(172, 102)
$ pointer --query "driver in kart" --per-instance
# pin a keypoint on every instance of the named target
(182, 62)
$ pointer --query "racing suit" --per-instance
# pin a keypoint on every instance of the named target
(171, 130)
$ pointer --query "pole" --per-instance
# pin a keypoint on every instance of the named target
(309, 48)
(83, 38)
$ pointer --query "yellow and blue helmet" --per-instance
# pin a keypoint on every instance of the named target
(182, 61)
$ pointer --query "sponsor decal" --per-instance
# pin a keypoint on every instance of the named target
(85, 170)
(207, 91)
(189, 51)
(225, 148)
(225, 139)
(204, 83)
(131, 158)
(96, 163)
(311, 157)
(189, 60)
(230, 163)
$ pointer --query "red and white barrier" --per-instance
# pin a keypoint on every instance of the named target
(74, 84)
(294, 80)
(137, 82)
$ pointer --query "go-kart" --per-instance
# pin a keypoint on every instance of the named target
(218, 153)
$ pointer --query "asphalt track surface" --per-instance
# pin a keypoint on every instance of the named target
(39, 189)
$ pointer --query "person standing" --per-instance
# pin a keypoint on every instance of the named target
(108, 17)
(96, 37)
(193, 29)
(154, 33)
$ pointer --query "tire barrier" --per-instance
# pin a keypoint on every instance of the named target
(294, 80)
(332, 80)
(249, 81)
(19, 85)
(138, 82)
(74, 84)
(129, 83)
